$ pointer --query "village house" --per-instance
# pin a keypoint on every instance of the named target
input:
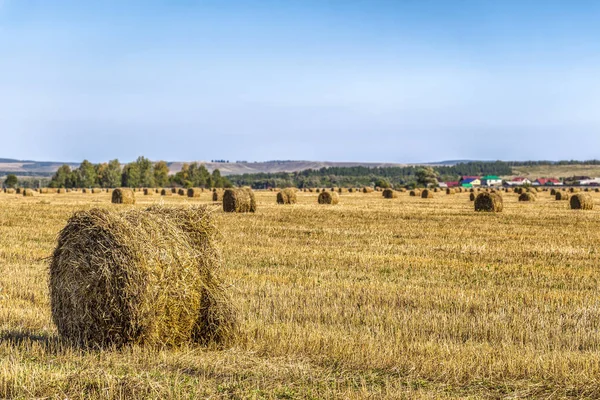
(547, 182)
(518, 181)
(491, 180)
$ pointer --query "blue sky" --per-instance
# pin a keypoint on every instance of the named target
(396, 81)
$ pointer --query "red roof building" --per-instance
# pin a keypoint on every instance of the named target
(547, 181)
(452, 184)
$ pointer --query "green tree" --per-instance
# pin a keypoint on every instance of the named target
(86, 175)
(426, 176)
(11, 181)
(146, 171)
(112, 176)
(131, 176)
(62, 178)
(217, 179)
(382, 183)
(161, 174)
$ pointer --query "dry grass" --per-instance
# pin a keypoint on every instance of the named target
(368, 299)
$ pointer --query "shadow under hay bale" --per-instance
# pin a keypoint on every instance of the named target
(123, 196)
(286, 196)
(328, 198)
(389, 194)
(489, 202)
(581, 201)
(239, 200)
(143, 277)
(427, 194)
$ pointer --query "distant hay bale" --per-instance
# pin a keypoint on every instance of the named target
(317, 190)
(96, 190)
(435, 190)
(402, 190)
(240, 200)
(217, 195)
(166, 192)
(148, 192)
(310, 190)
(489, 202)
(553, 192)
(181, 192)
(367, 189)
(28, 192)
(340, 190)
(597, 190)
(574, 190)
(427, 194)
(472, 196)
(526, 196)
(9, 191)
(286, 196)
(123, 196)
(143, 277)
(329, 198)
(561, 195)
(415, 193)
(377, 189)
(18, 190)
(581, 201)
(194, 192)
(174, 190)
(450, 191)
(43, 190)
(389, 193)
(61, 191)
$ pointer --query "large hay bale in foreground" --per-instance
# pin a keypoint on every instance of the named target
(239, 200)
(286, 196)
(389, 193)
(139, 277)
(581, 201)
(194, 192)
(329, 198)
(28, 192)
(527, 196)
(561, 195)
(123, 196)
(166, 192)
(489, 202)
(427, 194)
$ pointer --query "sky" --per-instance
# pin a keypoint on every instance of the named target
(348, 80)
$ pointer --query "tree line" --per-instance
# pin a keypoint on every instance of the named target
(410, 176)
(140, 173)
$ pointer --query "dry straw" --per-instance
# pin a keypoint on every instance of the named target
(389, 193)
(581, 201)
(123, 196)
(239, 200)
(427, 194)
(286, 196)
(489, 202)
(526, 196)
(328, 198)
(141, 277)
(194, 192)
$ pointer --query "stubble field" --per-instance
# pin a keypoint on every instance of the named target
(371, 298)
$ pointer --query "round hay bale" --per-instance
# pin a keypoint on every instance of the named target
(389, 194)
(194, 192)
(574, 190)
(561, 195)
(597, 190)
(148, 192)
(553, 192)
(427, 194)
(18, 190)
(472, 196)
(9, 191)
(329, 198)
(28, 192)
(450, 191)
(367, 189)
(239, 200)
(123, 196)
(61, 191)
(317, 190)
(581, 201)
(181, 192)
(310, 190)
(174, 190)
(526, 196)
(435, 190)
(217, 195)
(96, 190)
(166, 192)
(43, 190)
(415, 193)
(143, 277)
(340, 190)
(489, 202)
(286, 196)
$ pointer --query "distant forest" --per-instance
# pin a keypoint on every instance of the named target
(365, 176)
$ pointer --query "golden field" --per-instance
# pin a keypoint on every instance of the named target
(371, 298)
